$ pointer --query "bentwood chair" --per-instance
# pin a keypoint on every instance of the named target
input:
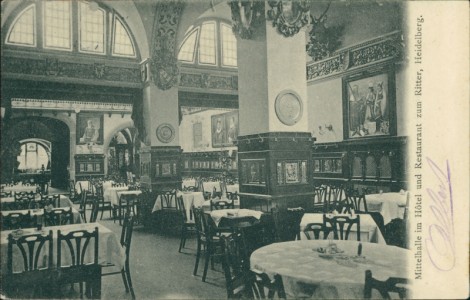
(262, 282)
(30, 272)
(207, 238)
(391, 285)
(341, 226)
(17, 220)
(236, 267)
(126, 239)
(58, 216)
(287, 223)
(187, 224)
(77, 268)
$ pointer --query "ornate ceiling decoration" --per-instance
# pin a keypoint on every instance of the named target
(246, 16)
(289, 16)
(164, 64)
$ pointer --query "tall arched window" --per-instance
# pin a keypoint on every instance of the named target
(96, 29)
(211, 43)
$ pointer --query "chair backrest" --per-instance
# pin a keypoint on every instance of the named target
(236, 266)
(145, 206)
(95, 207)
(334, 195)
(168, 199)
(4, 194)
(30, 247)
(58, 216)
(357, 201)
(77, 243)
(385, 287)
(262, 282)
(342, 225)
(17, 220)
(181, 208)
(232, 195)
(221, 204)
(203, 229)
(287, 223)
(190, 189)
(126, 233)
(315, 229)
(319, 195)
(23, 202)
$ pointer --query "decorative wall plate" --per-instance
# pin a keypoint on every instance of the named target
(165, 133)
(289, 107)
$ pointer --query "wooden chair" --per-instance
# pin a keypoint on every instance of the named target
(102, 204)
(190, 189)
(221, 204)
(169, 209)
(315, 229)
(144, 208)
(207, 238)
(391, 285)
(287, 223)
(37, 273)
(72, 191)
(5, 194)
(126, 240)
(79, 270)
(358, 201)
(236, 267)
(341, 226)
(17, 220)
(262, 282)
(82, 207)
(319, 199)
(58, 216)
(187, 225)
(127, 204)
(335, 194)
(95, 208)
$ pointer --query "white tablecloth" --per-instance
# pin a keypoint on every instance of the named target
(369, 230)
(233, 188)
(120, 193)
(77, 219)
(306, 274)
(190, 199)
(111, 194)
(85, 186)
(210, 185)
(217, 215)
(64, 201)
(390, 205)
(19, 188)
(109, 249)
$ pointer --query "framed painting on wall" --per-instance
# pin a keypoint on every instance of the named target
(224, 129)
(89, 128)
(369, 102)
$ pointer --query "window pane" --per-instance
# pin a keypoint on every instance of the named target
(91, 28)
(229, 46)
(187, 49)
(122, 41)
(207, 51)
(23, 31)
(57, 24)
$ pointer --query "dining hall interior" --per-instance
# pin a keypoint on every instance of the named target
(204, 149)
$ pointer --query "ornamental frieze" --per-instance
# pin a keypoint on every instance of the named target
(388, 47)
(52, 67)
(209, 81)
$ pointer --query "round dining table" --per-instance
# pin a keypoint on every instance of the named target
(308, 273)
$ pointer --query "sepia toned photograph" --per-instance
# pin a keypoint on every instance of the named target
(218, 149)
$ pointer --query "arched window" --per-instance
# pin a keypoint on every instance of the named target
(32, 157)
(23, 30)
(95, 30)
(211, 43)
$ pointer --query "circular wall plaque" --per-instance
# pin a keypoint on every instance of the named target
(289, 107)
(165, 133)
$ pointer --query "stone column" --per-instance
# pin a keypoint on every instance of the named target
(274, 144)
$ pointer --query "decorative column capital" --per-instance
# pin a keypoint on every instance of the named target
(246, 16)
(289, 16)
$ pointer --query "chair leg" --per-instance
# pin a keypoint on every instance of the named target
(102, 211)
(206, 263)
(198, 255)
(129, 280)
(124, 279)
(183, 238)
